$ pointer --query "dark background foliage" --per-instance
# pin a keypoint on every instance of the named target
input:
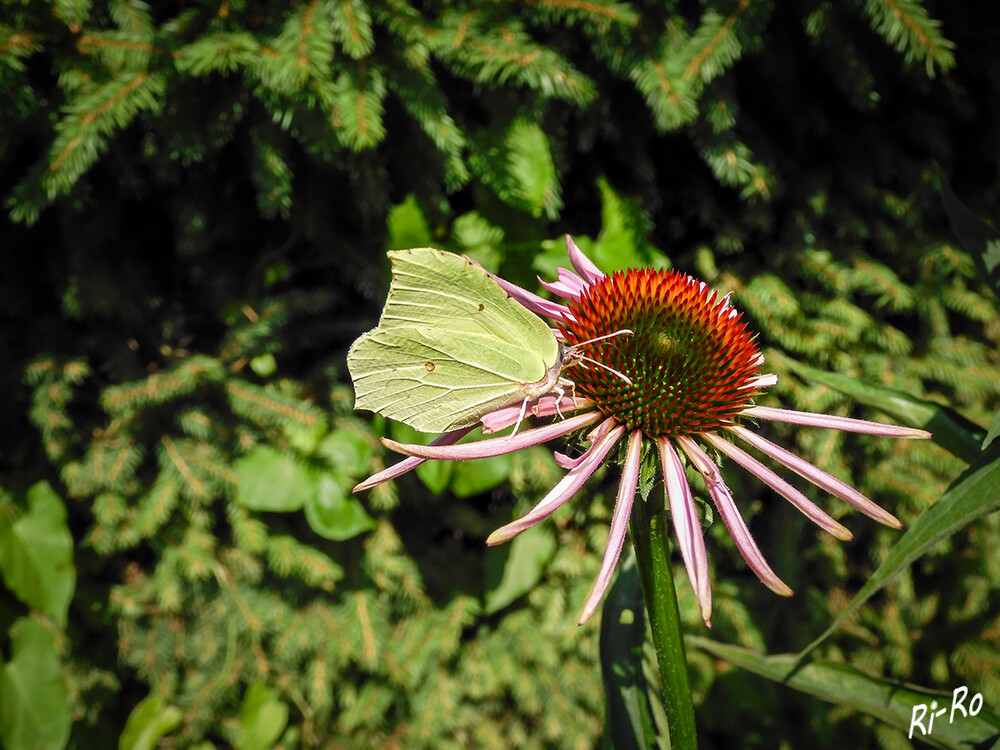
(199, 196)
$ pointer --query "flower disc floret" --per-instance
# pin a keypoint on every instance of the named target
(692, 362)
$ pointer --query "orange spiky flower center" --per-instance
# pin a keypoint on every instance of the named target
(691, 360)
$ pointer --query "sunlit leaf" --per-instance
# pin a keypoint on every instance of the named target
(34, 705)
(263, 718)
(149, 722)
(36, 554)
(333, 513)
(512, 570)
(273, 481)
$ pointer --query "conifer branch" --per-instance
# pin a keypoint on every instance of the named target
(267, 407)
(132, 16)
(670, 99)
(906, 25)
(119, 50)
(600, 15)
(719, 31)
(369, 650)
(176, 461)
(353, 25)
(127, 398)
(15, 45)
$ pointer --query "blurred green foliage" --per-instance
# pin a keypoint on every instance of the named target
(198, 200)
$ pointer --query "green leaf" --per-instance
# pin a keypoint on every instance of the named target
(36, 554)
(470, 478)
(975, 493)
(533, 175)
(273, 481)
(407, 226)
(512, 570)
(948, 428)
(34, 705)
(624, 227)
(333, 513)
(149, 721)
(263, 718)
(346, 451)
(435, 475)
(628, 722)
(304, 438)
(888, 701)
(978, 238)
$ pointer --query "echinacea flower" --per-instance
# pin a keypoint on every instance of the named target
(684, 380)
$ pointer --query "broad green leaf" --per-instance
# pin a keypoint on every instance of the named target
(346, 451)
(333, 513)
(948, 428)
(36, 554)
(475, 477)
(435, 475)
(34, 705)
(273, 481)
(304, 438)
(978, 238)
(534, 178)
(478, 239)
(263, 718)
(624, 227)
(628, 719)
(407, 226)
(888, 701)
(512, 570)
(148, 723)
(975, 493)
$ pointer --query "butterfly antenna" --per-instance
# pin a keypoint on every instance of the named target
(603, 366)
(575, 355)
(588, 342)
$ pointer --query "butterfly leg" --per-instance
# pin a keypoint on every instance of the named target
(520, 418)
(560, 392)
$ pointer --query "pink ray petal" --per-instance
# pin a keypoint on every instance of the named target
(594, 436)
(569, 285)
(807, 507)
(687, 527)
(817, 476)
(731, 517)
(583, 265)
(761, 381)
(619, 525)
(408, 464)
(845, 424)
(567, 462)
(563, 490)
(494, 446)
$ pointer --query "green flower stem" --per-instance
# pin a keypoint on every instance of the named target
(652, 552)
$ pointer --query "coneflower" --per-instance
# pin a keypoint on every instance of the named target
(684, 380)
